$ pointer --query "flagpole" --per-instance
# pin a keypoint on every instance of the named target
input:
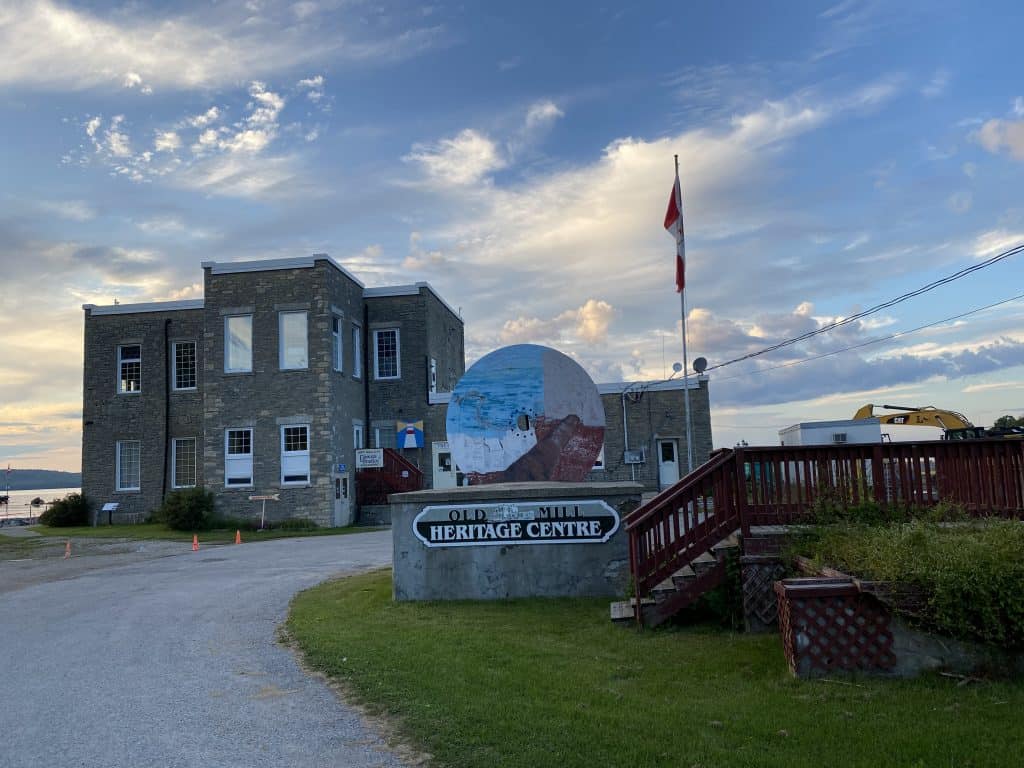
(686, 362)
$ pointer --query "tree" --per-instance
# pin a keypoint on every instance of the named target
(1007, 422)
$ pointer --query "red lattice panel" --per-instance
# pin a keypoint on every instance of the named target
(828, 625)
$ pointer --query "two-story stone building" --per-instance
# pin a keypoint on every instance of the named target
(270, 382)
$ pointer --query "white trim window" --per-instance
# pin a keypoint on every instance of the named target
(129, 465)
(183, 462)
(599, 461)
(185, 375)
(238, 458)
(295, 454)
(337, 346)
(293, 349)
(129, 369)
(238, 344)
(386, 354)
(357, 351)
(433, 375)
(358, 436)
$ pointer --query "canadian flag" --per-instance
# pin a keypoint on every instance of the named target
(674, 224)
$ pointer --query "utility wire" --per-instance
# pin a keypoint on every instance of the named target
(878, 307)
(896, 335)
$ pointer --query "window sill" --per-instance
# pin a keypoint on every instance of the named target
(238, 373)
(185, 389)
(129, 491)
(239, 487)
(182, 487)
(129, 393)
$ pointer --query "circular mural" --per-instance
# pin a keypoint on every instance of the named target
(524, 413)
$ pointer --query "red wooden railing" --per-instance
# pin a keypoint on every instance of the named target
(743, 487)
(398, 475)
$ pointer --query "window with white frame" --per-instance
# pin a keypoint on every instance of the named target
(185, 373)
(357, 351)
(183, 462)
(433, 375)
(838, 437)
(294, 346)
(358, 436)
(238, 344)
(599, 461)
(337, 350)
(129, 465)
(129, 369)
(238, 457)
(295, 454)
(386, 350)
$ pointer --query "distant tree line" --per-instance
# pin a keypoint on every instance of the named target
(1007, 422)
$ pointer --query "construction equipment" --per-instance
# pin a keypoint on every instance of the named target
(954, 426)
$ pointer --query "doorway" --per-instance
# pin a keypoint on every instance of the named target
(342, 499)
(443, 465)
(668, 463)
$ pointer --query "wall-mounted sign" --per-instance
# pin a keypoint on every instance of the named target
(534, 522)
(342, 468)
(409, 434)
(369, 458)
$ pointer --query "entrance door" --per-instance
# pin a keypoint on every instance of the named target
(342, 499)
(444, 466)
(668, 463)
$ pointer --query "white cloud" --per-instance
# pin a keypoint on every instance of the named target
(996, 135)
(314, 87)
(542, 113)
(467, 158)
(211, 115)
(995, 241)
(1018, 107)
(132, 80)
(588, 324)
(166, 141)
(72, 210)
(118, 143)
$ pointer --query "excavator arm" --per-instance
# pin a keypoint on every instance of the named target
(927, 416)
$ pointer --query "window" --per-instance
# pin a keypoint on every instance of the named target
(599, 461)
(238, 457)
(357, 351)
(295, 454)
(385, 354)
(358, 440)
(838, 437)
(183, 462)
(433, 375)
(184, 365)
(238, 344)
(294, 347)
(336, 345)
(129, 465)
(129, 369)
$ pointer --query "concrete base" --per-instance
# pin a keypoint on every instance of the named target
(500, 571)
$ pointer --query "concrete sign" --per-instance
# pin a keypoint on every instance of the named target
(369, 458)
(590, 521)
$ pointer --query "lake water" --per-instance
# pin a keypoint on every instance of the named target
(19, 502)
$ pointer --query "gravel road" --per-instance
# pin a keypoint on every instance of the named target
(172, 661)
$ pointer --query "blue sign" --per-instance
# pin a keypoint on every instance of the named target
(342, 468)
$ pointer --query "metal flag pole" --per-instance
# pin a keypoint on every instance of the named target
(680, 253)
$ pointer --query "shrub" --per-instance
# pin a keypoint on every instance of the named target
(70, 511)
(829, 509)
(296, 524)
(972, 574)
(187, 510)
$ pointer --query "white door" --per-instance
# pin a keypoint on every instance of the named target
(342, 499)
(443, 464)
(668, 463)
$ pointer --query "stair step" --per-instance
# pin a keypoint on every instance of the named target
(684, 575)
(622, 611)
(663, 590)
(730, 542)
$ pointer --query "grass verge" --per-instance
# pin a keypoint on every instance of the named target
(529, 683)
(151, 531)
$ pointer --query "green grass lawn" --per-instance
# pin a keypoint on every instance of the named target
(158, 531)
(553, 683)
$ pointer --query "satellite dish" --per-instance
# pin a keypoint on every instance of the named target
(700, 364)
(677, 367)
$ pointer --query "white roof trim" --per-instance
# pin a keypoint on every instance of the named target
(151, 306)
(618, 387)
(412, 289)
(873, 421)
(266, 265)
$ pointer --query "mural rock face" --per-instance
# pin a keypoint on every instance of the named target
(525, 413)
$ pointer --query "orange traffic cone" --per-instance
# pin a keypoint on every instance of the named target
(238, 537)
(67, 550)
(195, 543)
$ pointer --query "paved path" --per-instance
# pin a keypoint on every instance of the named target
(173, 662)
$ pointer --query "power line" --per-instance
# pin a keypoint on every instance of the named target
(896, 335)
(878, 307)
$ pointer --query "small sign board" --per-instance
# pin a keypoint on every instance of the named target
(341, 468)
(635, 456)
(267, 497)
(111, 506)
(369, 458)
(590, 521)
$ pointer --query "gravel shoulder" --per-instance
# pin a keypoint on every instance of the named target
(137, 653)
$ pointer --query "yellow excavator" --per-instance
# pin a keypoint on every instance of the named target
(954, 426)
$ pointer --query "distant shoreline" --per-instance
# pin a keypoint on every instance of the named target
(38, 480)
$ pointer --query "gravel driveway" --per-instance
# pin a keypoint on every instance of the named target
(172, 662)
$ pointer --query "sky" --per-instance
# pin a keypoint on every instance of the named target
(519, 157)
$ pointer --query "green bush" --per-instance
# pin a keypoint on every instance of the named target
(971, 574)
(829, 509)
(296, 524)
(72, 510)
(187, 510)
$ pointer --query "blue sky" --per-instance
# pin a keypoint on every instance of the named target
(833, 156)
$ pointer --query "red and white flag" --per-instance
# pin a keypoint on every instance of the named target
(674, 224)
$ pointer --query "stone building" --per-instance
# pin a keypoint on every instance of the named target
(270, 382)
(265, 386)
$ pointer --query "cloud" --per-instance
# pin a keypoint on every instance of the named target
(211, 115)
(467, 158)
(995, 241)
(72, 210)
(314, 87)
(421, 259)
(936, 86)
(960, 202)
(166, 141)
(997, 135)
(588, 324)
(542, 113)
(47, 44)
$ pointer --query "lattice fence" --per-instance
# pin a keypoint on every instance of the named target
(760, 606)
(829, 625)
